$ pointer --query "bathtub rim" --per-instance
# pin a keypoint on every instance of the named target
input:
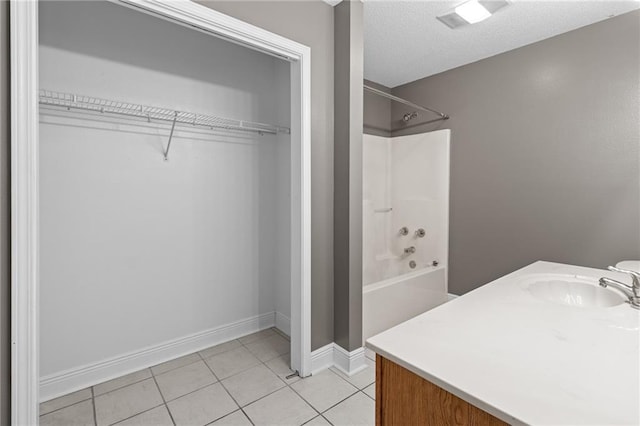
(367, 288)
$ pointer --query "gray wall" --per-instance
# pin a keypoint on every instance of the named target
(377, 111)
(309, 23)
(347, 218)
(545, 152)
(5, 313)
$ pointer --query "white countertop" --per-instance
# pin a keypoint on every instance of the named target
(524, 360)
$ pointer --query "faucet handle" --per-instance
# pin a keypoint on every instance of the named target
(635, 276)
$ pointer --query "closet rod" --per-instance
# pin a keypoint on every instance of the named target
(405, 102)
(71, 101)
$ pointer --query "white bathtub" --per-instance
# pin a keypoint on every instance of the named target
(388, 303)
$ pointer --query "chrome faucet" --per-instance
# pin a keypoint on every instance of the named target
(410, 250)
(631, 291)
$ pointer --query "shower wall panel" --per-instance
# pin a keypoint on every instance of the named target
(406, 185)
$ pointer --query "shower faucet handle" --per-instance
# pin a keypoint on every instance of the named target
(404, 231)
(420, 233)
(410, 250)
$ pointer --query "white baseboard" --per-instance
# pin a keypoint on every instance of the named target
(71, 380)
(452, 296)
(333, 355)
(349, 362)
(283, 323)
(322, 358)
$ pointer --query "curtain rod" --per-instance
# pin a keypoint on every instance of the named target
(404, 101)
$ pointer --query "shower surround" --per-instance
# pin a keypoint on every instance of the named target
(405, 191)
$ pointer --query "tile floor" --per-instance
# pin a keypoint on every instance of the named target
(241, 382)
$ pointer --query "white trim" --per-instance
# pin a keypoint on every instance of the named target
(74, 379)
(349, 362)
(24, 181)
(333, 355)
(24, 212)
(322, 358)
(283, 323)
(205, 19)
(451, 296)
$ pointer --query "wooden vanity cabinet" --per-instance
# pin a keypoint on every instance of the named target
(404, 399)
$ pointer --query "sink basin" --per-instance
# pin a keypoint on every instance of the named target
(572, 290)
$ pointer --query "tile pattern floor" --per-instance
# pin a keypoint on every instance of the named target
(241, 382)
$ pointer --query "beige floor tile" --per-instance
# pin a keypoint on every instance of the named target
(270, 347)
(318, 421)
(218, 349)
(361, 379)
(281, 366)
(128, 401)
(237, 418)
(324, 389)
(232, 362)
(80, 414)
(175, 363)
(202, 406)
(182, 380)
(120, 382)
(256, 336)
(370, 390)
(158, 416)
(65, 401)
(252, 384)
(358, 410)
(283, 407)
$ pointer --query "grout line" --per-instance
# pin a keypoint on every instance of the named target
(247, 416)
(369, 396)
(137, 414)
(174, 368)
(153, 376)
(339, 402)
(166, 407)
(339, 375)
(311, 419)
(327, 420)
(66, 406)
(307, 402)
(123, 386)
(281, 333)
(227, 415)
(365, 394)
(262, 397)
(93, 404)
(190, 392)
(164, 401)
(229, 393)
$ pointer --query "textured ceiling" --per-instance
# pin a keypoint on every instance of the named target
(405, 42)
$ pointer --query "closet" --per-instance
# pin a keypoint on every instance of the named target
(165, 181)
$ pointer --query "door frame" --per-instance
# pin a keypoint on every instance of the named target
(25, 272)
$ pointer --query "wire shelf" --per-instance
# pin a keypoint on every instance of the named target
(72, 101)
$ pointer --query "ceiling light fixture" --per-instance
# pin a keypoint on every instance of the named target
(472, 12)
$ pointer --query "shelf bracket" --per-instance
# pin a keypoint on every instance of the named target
(173, 126)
